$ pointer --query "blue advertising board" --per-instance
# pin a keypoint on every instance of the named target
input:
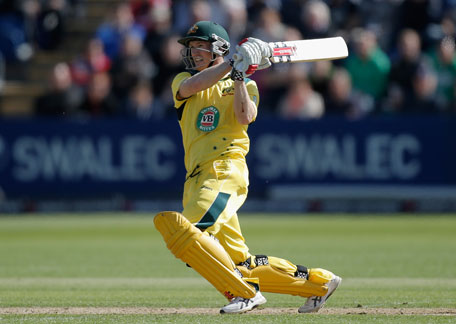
(100, 158)
(396, 150)
(50, 158)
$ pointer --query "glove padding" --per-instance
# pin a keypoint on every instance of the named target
(265, 49)
(252, 54)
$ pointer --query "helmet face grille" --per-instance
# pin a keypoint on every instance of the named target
(188, 60)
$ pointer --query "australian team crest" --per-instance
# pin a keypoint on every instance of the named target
(192, 29)
(208, 119)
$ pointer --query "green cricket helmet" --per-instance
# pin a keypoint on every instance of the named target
(206, 31)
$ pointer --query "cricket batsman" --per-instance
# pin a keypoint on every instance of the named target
(215, 102)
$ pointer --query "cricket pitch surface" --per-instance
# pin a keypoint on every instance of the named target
(214, 311)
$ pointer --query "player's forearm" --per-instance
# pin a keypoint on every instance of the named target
(244, 109)
(203, 80)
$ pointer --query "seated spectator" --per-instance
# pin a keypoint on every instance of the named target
(404, 66)
(342, 100)
(113, 32)
(94, 60)
(63, 98)
(345, 16)
(141, 103)
(443, 60)
(159, 25)
(424, 97)
(132, 64)
(99, 100)
(315, 19)
(319, 76)
(149, 13)
(417, 15)
(368, 65)
(236, 19)
(269, 26)
(169, 64)
(188, 12)
(301, 102)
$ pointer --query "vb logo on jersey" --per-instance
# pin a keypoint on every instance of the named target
(208, 119)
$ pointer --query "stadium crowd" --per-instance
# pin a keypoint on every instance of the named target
(402, 57)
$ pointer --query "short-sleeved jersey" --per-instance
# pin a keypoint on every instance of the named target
(208, 123)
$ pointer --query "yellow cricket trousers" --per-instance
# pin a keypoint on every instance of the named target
(213, 194)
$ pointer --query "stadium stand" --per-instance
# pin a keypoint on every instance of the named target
(25, 81)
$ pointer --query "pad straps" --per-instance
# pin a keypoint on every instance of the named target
(263, 260)
(302, 272)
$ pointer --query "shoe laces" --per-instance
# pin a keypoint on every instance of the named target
(316, 300)
(240, 300)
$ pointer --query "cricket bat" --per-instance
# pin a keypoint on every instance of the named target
(308, 50)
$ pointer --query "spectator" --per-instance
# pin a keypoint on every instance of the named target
(159, 28)
(443, 59)
(417, 15)
(99, 100)
(255, 7)
(200, 10)
(345, 16)
(95, 60)
(269, 26)
(63, 98)
(301, 102)
(152, 14)
(368, 65)
(237, 19)
(424, 96)
(169, 63)
(186, 13)
(114, 31)
(404, 66)
(342, 100)
(319, 76)
(316, 19)
(381, 17)
(133, 64)
(141, 103)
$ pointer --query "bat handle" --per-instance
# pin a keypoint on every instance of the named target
(237, 57)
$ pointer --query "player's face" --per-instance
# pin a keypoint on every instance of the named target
(201, 54)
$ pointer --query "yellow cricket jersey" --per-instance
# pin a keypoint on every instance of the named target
(208, 123)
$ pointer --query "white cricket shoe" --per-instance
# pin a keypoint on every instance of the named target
(314, 303)
(242, 305)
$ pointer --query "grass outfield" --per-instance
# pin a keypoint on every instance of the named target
(115, 268)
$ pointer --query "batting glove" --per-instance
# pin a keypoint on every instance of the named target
(247, 58)
(265, 50)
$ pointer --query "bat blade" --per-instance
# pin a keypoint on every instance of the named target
(309, 50)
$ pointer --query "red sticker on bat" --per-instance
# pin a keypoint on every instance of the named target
(280, 51)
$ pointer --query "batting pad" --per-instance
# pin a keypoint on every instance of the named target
(277, 276)
(203, 254)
